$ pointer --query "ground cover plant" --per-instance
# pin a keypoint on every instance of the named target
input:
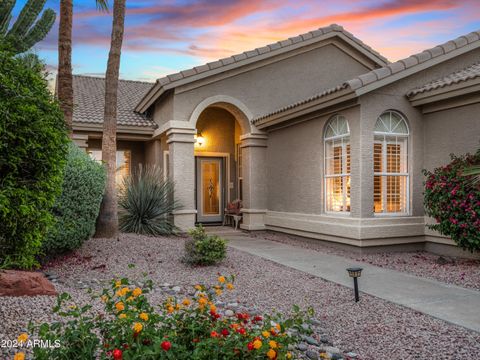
(453, 200)
(188, 328)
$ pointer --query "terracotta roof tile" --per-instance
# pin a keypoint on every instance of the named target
(89, 100)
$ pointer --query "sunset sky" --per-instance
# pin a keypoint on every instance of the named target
(164, 36)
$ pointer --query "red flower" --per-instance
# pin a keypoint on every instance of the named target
(241, 331)
(125, 346)
(225, 332)
(117, 354)
(257, 318)
(250, 346)
(166, 345)
(196, 340)
(214, 334)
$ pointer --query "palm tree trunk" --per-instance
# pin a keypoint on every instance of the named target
(107, 223)
(64, 80)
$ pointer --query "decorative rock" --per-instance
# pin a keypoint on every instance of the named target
(229, 313)
(352, 355)
(311, 341)
(232, 305)
(315, 322)
(176, 289)
(302, 347)
(337, 357)
(331, 349)
(25, 283)
(325, 340)
(165, 285)
(312, 354)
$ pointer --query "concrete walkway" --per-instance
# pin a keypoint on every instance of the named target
(451, 303)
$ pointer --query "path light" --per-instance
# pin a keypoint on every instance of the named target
(355, 273)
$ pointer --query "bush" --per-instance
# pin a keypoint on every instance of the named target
(190, 328)
(146, 202)
(203, 249)
(454, 202)
(33, 148)
(76, 209)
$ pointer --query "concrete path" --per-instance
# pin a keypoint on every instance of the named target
(451, 303)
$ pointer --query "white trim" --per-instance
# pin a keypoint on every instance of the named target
(166, 155)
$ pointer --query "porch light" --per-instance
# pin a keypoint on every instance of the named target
(355, 273)
(199, 139)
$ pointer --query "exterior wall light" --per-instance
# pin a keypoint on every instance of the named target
(199, 139)
(355, 273)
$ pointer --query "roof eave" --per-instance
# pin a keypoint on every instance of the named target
(306, 108)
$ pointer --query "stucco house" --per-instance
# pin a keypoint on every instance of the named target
(319, 135)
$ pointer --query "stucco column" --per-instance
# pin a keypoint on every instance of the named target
(254, 172)
(182, 172)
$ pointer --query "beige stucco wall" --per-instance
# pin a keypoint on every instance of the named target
(137, 149)
(269, 87)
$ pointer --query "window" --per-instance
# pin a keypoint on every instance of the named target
(337, 165)
(124, 160)
(390, 162)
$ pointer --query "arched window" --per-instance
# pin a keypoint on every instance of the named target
(390, 160)
(337, 165)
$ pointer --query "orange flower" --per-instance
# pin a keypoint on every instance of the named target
(202, 301)
(122, 316)
(273, 344)
(271, 354)
(198, 287)
(137, 292)
(119, 306)
(19, 356)
(137, 327)
(22, 338)
(266, 334)
(178, 307)
(118, 283)
(289, 355)
(186, 302)
(123, 291)
(104, 298)
(257, 344)
(170, 309)
(143, 316)
(221, 279)
(213, 308)
(230, 286)
(218, 292)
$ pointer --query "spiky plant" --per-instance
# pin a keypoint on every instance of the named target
(26, 31)
(146, 202)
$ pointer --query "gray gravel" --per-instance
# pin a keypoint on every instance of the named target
(457, 271)
(372, 328)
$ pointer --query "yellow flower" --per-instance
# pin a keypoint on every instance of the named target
(122, 316)
(278, 327)
(178, 307)
(202, 301)
(143, 316)
(19, 356)
(324, 356)
(273, 344)
(289, 355)
(118, 283)
(73, 307)
(218, 292)
(221, 279)
(130, 298)
(104, 298)
(119, 306)
(123, 291)
(266, 334)
(230, 286)
(22, 338)
(186, 302)
(198, 287)
(137, 327)
(213, 308)
(137, 292)
(271, 354)
(257, 344)
(170, 309)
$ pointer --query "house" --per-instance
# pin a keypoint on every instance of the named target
(319, 135)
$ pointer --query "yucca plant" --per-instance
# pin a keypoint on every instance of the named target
(146, 202)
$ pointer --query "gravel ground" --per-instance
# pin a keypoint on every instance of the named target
(372, 328)
(461, 272)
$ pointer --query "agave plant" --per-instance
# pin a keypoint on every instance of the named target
(474, 172)
(146, 203)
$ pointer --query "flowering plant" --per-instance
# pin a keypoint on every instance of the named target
(454, 202)
(181, 328)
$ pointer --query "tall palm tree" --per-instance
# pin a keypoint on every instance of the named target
(107, 222)
(64, 80)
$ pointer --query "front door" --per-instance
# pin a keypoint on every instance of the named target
(210, 189)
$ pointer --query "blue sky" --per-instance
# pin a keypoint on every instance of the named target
(165, 36)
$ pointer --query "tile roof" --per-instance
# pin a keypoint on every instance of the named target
(395, 68)
(466, 74)
(89, 100)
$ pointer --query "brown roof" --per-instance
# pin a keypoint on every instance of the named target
(399, 68)
(168, 82)
(466, 74)
(89, 100)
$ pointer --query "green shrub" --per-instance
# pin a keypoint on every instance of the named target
(454, 201)
(203, 249)
(33, 148)
(181, 329)
(76, 209)
(146, 202)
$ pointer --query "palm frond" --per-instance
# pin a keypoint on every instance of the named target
(474, 172)
(102, 5)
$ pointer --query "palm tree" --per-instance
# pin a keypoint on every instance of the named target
(107, 222)
(64, 80)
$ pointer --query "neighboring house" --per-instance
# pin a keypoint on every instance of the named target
(319, 134)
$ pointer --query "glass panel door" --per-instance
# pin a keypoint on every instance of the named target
(209, 189)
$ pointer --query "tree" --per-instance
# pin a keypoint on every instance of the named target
(107, 222)
(64, 80)
(25, 32)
